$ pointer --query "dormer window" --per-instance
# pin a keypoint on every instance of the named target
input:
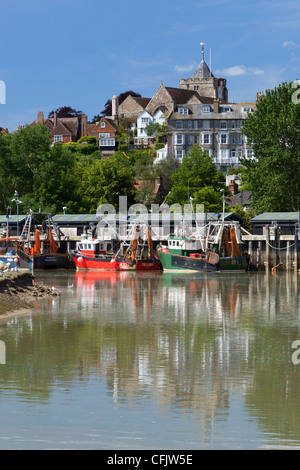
(247, 109)
(206, 109)
(183, 111)
(224, 109)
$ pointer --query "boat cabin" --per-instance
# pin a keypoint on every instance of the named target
(93, 248)
(184, 246)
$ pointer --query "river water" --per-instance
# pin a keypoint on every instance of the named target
(154, 361)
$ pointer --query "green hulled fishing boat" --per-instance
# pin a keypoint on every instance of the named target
(216, 248)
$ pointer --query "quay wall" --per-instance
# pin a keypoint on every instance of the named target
(273, 250)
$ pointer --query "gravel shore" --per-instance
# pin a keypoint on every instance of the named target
(18, 292)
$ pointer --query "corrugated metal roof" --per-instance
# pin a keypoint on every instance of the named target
(86, 218)
(13, 219)
(73, 218)
(276, 217)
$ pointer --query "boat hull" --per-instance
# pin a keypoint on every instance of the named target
(44, 260)
(106, 263)
(113, 264)
(172, 262)
(141, 265)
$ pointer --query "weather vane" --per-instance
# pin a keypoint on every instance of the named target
(202, 44)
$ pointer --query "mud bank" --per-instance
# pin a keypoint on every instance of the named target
(19, 292)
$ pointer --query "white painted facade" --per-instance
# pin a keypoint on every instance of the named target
(143, 120)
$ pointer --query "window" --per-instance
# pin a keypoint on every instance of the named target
(249, 153)
(233, 139)
(206, 139)
(223, 125)
(196, 125)
(224, 109)
(58, 138)
(206, 109)
(179, 154)
(179, 139)
(108, 142)
(239, 123)
(183, 111)
(190, 125)
(206, 125)
(102, 125)
(232, 124)
(179, 125)
(224, 154)
(104, 134)
(145, 120)
(223, 139)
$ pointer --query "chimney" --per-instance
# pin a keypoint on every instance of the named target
(233, 187)
(216, 106)
(55, 118)
(83, 125)
(40, 117)
(115, 107)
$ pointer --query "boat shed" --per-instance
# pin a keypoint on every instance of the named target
(74, 225)
(285, 221)
(12, 222)
(114, 225)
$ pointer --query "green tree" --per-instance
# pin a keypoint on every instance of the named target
(274, 131)
(105, 180)
(196, 171)
(211, 198)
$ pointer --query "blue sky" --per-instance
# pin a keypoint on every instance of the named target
(80, 53)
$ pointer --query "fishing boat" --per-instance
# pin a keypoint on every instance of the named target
(96, 254)
(215, 248)
(38, 247)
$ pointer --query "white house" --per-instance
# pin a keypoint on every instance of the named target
(142, 121)
(161, 154)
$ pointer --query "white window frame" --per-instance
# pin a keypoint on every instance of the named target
(107, 142)
(179, 139)
(206, 136)
(206, 108)
(179, 154)
(183, 111)
(223, 138)
(179, 125)
(58, 138)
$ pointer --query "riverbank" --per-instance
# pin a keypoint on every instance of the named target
(19, 292)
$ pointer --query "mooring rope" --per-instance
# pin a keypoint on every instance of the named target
(275, 247)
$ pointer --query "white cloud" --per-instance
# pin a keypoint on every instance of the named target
(288, 44)
(237, 70)
(185, 68)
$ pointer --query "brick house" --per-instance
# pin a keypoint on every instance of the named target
(67, 129)
(105, 130)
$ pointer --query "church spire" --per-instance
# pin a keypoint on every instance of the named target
(202, 71)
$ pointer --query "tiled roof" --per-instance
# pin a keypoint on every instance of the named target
(202, 71)
(141, 101)
(241, 198)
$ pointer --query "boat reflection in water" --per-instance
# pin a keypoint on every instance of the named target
(201, 360)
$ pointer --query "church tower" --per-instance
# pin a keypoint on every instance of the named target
(204, 82)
